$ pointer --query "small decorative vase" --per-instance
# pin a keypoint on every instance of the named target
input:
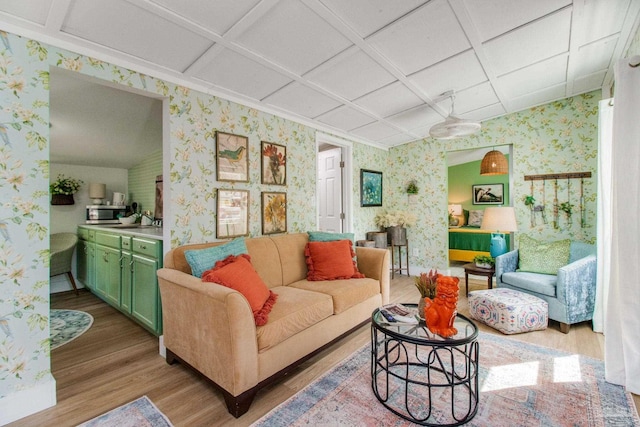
(62, 199)
(421, 308)
(397, 235)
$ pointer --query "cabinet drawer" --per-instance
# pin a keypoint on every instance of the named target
(147, 247)
(110, 240)
(126, 243)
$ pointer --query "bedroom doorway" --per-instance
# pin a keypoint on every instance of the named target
(463, 176)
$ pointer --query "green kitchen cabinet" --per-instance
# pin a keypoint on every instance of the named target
(108, 274)
(86, 258)
(126, 272)
(145, 296)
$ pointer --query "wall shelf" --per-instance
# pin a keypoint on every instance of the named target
(548, 176)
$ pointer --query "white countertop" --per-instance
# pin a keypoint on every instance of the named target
(148, 231)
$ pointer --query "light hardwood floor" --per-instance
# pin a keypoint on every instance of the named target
(117, 361)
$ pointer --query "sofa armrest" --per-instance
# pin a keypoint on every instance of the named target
(211, 327)
(506, 263)
(374, 263)
(576, 286)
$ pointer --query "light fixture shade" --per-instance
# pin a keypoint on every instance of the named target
(494, 163)
(499, 219)
(455, 210)
(454, 127)
(97, 191)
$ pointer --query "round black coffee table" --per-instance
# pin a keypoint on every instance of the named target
(422, 377)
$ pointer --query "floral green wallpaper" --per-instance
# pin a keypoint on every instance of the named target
(553, 138)
(194, 119)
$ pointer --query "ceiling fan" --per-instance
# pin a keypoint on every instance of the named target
(453, 126)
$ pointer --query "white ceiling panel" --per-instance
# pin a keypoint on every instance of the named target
(30, 10)
(345, 118)
(140, 33)
(370, 70)
(457, 73)
(429, 35)
(534, 78)
(303, 99)
(242, 75)
(351, 74)
(217, 16)
(495, 17)
(531, 43)
(293, 36)
(389, 100)
(368, 16)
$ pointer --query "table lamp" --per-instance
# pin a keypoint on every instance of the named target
(500, 219)
(97, 192)
(454, 212)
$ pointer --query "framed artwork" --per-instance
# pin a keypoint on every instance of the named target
(273, 163)
(232, 157)
(274, 212)
(370, 188)
(487, 194)
(232, 213)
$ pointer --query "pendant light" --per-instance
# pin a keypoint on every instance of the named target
(494, 163)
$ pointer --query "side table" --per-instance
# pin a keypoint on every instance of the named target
(399, 268)
(471, 268)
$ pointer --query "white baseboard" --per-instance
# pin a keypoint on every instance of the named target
(26, 402)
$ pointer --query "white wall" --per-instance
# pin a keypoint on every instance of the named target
(65, 218)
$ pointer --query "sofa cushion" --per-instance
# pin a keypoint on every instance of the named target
(475, 218)
(201, 260)
(541, 257)
(535, 282)
(236, 272)
(331, 260)
(296, 310)
(344, 293)
(323, 236)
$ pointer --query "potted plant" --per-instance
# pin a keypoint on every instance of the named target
(412, 187)
(426, 284)
(484, 261)
(63, 189)
(394, 223)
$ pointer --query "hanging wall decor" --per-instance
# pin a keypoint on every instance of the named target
(232, 157)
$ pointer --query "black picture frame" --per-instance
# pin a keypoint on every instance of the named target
(273, 163)
(274, 212)
(370, 188)
(487, 194)
(232, 157)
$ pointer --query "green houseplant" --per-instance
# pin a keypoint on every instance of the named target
(412, 187)
(484, 261)
(63, 189)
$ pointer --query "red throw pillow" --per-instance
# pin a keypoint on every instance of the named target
(236, 272)
(331, 261)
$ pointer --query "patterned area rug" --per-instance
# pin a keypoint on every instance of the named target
(139, 413)
(520, 384)
(67, 325)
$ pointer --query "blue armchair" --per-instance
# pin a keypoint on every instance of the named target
(570, 294)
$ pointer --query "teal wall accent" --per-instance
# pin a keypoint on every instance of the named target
(462, 177)
(142, 182)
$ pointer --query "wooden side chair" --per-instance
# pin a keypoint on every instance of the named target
(61, 247)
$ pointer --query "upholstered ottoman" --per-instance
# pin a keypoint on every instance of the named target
(510, 312)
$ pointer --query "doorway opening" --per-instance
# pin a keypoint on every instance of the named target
(333, 179)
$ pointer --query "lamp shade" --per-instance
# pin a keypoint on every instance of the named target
(494, 163)
(499, 219)
(455, 209)
(97, 191)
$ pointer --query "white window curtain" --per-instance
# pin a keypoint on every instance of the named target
(622, 321)
(605, 130)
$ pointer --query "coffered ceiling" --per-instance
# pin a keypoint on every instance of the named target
(369, 70)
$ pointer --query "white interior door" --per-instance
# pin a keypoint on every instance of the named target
(330, 216)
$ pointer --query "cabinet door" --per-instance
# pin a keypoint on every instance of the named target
(144, 301)
(108, 274)
(126, 273)
(86, 263)
(81, 261)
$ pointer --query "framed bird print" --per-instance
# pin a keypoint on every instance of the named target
(274, 212)
(232, 213)
(273, 163)
(232, 154)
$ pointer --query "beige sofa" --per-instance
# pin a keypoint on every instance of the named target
(212, 329)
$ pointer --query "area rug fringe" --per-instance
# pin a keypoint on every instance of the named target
(139, 413)
(521, 384)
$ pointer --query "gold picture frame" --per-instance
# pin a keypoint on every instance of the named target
(273, 163)
(232, 157)
(274, 212)
(232, 212)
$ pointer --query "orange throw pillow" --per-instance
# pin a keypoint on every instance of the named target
(331, 261)
(236, 272)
